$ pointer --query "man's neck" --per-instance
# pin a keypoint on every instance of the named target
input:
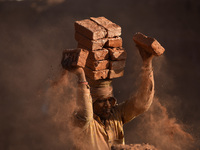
(102, 120)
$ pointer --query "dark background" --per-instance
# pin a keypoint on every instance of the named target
(33, 34)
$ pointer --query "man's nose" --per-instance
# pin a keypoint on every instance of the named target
(107, 103)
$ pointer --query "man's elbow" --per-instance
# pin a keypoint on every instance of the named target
(81, 120)
(143, 107)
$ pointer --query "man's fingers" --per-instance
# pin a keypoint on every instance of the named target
(143, 53)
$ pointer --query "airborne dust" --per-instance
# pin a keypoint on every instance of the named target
(37, 98)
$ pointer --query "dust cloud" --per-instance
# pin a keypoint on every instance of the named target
(164, 132)
(155, 126)
(61, 104)
(34, 109)
(159, 126)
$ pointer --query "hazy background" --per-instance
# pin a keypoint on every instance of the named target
(33, 34)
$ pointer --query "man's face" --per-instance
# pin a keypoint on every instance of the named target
(102, 107)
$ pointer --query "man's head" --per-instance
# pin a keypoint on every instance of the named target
(102, 97)
(102, 107)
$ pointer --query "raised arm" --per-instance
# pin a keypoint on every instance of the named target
(142, 99)
(74, 61)
(84, 111)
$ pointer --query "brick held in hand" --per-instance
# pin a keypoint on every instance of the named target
(90, 44)
(90, 29)
(117, 53)
(115, 73)
(149, 44)
(114, 42)
(74, 58)
(117, 65)
(96, 75)
(99, 54)
(112, 28)
(97, 65)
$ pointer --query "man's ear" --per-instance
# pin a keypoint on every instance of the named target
(113, 101)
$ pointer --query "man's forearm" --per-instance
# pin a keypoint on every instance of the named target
(142, 99)
(145, 93)
(84, 101)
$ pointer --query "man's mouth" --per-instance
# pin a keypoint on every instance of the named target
(107, 111)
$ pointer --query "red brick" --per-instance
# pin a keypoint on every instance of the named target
(149, 44)
(115, 73)
(97, 65)
(90, 44)
(117, 53)
(74, 57)
(98, 54)
(116, 65)
(96, 75)
(112, 28)
(90, 29)
(114, 42)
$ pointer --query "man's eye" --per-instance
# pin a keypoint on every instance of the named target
(101, 101)
(111, 99)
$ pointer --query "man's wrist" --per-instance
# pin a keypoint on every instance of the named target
(83, 84)
(80, 74)
(147, 64)
(147, 68)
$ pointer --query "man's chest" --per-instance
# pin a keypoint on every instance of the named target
(111, 130)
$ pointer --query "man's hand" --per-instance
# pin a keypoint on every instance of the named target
(74, 58)
(67, 61)
(146, 56)
(70, 63)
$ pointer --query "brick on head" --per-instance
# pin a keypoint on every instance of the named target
(107, 57)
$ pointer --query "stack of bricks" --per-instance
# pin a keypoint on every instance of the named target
(101, 38)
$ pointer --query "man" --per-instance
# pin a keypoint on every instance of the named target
(98, 116)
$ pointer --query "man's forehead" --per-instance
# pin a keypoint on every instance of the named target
(104, 99)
